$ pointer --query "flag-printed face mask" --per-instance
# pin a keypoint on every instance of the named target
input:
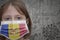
(14, 29)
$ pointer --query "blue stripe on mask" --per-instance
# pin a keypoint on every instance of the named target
(4, 30)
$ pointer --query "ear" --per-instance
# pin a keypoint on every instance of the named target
(27, 20)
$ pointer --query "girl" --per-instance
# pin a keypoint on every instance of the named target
(15, 10)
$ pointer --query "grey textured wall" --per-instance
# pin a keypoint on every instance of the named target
(45, 15)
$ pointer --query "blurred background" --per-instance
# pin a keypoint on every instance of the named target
(45, 16)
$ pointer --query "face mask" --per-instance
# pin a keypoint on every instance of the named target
(14, 29)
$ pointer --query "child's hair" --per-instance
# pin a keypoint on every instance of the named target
(20, 6)
(2, 37)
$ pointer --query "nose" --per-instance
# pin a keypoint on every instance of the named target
(13, 19)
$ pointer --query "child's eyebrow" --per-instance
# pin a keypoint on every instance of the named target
(18, 15)
(6, 16)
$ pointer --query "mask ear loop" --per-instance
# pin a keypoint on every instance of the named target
(0, 26)
(0, 29)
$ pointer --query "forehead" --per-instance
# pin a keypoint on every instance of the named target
(11, 10)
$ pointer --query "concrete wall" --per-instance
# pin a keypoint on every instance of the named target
(45, 15)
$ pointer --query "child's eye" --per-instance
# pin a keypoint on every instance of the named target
(18, 18)
(7, 19)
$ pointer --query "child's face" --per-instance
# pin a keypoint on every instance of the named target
(12, 14)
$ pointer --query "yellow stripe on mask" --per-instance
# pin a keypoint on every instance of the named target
(14, 31)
